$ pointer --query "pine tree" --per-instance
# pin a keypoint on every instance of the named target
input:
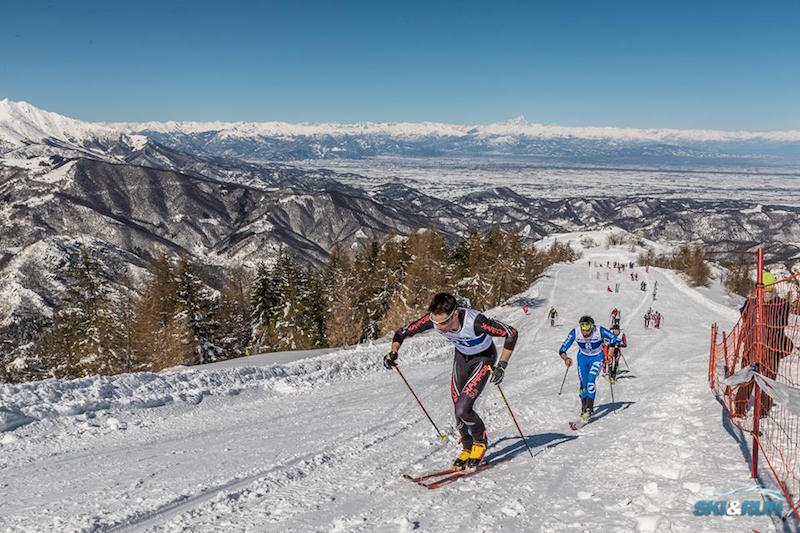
(739, 280)
(364, 266)
(425, 275)
(130, 358)
(340, 298)
(290, 286)
(197, 311)
(698, 270)
(385, 280)
(82, 340)
(265, 302)
(234, 320)
(505, 272)
(312, 303)
(470, 271)
(158, 338)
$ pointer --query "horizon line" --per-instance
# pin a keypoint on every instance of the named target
(517, 125)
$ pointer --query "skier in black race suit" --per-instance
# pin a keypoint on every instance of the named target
(471, 332)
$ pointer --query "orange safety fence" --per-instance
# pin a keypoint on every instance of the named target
(755, 368)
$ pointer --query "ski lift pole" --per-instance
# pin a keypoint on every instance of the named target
(441, 435)
(514, 418)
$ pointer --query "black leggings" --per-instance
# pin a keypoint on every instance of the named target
(470, 375)
(615, 354)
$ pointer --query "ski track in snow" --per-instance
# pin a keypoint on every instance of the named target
(324, 448)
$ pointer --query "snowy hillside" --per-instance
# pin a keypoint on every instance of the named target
(320, 443)
(20, 123)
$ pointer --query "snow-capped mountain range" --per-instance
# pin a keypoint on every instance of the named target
(21, 122)
(131, 192)
(516, 127)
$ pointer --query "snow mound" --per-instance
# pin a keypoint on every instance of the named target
(29, 402)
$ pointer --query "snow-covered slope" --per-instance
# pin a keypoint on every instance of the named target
(321, 443)
(20, 123)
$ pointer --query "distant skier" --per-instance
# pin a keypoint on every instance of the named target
(553, 314)
(590, 339)
(615, 316)
(615, 353)
(471, 332)
(647, 316)
(525, 309)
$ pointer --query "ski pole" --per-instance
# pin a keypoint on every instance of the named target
(613, 403)
(441, 435)
(514, 418)
(624, 361)
(562, 381)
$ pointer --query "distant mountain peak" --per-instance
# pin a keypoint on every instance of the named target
(22, 123)
(519, 120)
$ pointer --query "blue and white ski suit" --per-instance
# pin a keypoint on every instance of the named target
(590, 355)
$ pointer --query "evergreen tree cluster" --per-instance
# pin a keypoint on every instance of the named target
(175, 318)
(389, 283)
(689, 259)
(739, 279)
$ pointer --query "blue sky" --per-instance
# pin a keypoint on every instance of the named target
(727, 65)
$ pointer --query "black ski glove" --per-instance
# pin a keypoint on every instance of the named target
(499, 372)
(390, 360)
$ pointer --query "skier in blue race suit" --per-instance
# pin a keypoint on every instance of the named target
(590, 339)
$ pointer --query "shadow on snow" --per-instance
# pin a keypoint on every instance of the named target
(517, 446)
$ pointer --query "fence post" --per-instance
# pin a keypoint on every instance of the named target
(725, 350)
(712, 355)
(727, 392)
(759, 347)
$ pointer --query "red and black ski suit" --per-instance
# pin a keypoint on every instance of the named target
(474, 354)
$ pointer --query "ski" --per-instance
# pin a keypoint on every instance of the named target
(578, 424)
(448, 476)
(429, 475)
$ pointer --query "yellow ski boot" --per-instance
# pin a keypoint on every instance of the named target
(461, 462)
(476, 454)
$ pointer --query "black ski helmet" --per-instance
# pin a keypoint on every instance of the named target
(586, 319)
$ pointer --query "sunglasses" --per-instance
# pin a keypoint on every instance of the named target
(587, 326)
(445, 321)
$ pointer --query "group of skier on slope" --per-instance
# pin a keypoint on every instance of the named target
(476, 361)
